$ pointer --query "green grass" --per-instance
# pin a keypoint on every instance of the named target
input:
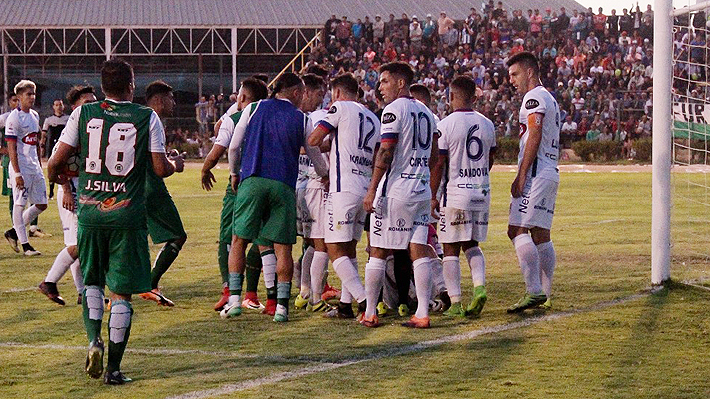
(654, 346)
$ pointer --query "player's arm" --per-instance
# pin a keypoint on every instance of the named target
(491, 157)
(319, 133)
(11, 127)
(237, 138)
(314, 153)
(383, 161)
(43, 138)
(68, 141)
(436, 168)
(162, 166)
(222, 142)
(530, 153)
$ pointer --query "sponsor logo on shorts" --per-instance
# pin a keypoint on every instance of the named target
(524, 202)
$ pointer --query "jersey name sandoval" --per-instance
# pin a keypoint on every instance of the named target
(540, 101)
(115, 141)
(467, 138)
(356, 134)
(411, 124)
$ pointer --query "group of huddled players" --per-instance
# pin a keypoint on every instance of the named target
(419, 186)
(325, 174)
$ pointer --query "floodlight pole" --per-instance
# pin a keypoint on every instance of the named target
(662, 140)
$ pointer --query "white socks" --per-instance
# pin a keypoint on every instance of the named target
(19, 224)
(374, 278)
(268, 261)
(422, 280)
(452, 277)
(318, 267)
(548, 259)
(438, 284)
(477, 263)
(348, 274)
(60, 266)
(529, 262)
(78, 276)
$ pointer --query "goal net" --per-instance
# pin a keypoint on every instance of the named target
(690, 130)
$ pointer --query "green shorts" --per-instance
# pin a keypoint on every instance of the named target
(117, 258)
(225, 221)
(164, 222)
(266, 209)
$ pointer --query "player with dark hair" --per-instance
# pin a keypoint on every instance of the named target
(164, 224)
(466, 144)
(399, 195)
(534, 190)
(68, 258)
(12, 103)
(118, 140)
(251, 90)
(271, 133)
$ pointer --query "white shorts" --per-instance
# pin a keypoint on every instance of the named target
(35, 191)
(458, 225)
(300, 206)
(68, 218)
(346, 218)
(395, 224)
(536, 206)
(313, 217)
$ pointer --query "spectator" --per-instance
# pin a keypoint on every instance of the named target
(447, 34)
(568, 132)
(343, 31)
(429, 31)
(536, 23)
(201, 114)
(415, 35)
(358, 30)
(378, 29)
(369, 33)
(612, 23)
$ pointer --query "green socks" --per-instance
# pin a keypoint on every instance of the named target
(165, 258)
(119, 328)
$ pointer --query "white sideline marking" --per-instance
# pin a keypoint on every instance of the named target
(605, 221)
(402, 350)
(142, 351)
(12, 290)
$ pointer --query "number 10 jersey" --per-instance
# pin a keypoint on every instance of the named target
(115, 140)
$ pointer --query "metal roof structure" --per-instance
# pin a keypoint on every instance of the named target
(227, 13)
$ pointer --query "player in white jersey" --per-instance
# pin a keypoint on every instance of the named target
(313, 206)
(466, 146)
(399, 193)
(68, 258)
(355, 135)
(534, 189)
(22, 133)
(251, 90)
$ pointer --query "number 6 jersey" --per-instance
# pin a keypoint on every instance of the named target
(467, 138)
(411, 125)
(356, 133)
(115, 140)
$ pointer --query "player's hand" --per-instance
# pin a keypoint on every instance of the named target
(208, 180)
(368, 202)
(62, 179)
(178, 160)
(234, 182)
(518, 186)
(68, 198)
(434, 208)
(326, 183)
(19, 183)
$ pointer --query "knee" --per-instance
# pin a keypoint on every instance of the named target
(540, 236)
(41, 207)
(73, 251)
(178, 243)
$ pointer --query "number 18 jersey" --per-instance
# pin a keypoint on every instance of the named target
(356, 133)
(411, 125)
(115, 140)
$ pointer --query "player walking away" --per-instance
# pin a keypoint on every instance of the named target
(399, 193)
(122, 140)
(534, 189)
(51, 130)
(272, 133)
(68, 258)
(250, 91)
(355, 135)
(466, 147)
(28, 185)
(164, 224)
(314, 208)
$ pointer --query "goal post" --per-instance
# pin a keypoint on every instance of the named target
(662, 142)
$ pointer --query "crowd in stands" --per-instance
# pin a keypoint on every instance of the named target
(597, 65)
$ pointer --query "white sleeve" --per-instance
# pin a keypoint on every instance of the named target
(45, 126)
(237, 137)
(442, 144)
(332, 118)
(313, 153)
(224, 135)
(157, 134)
(534, 104)
(70, 134)
(391, 122)
(12, 125)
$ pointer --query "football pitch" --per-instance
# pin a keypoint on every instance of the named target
(607, 335)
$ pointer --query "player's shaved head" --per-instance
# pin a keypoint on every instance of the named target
(526, 60)
(400, 70)
(285, 82)
(117, 78)
(421, 93)
(255, 88)
(157, 87)
(313, 81)
(345, 82)
(260, 76)
(465, 87)
(75, 93)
